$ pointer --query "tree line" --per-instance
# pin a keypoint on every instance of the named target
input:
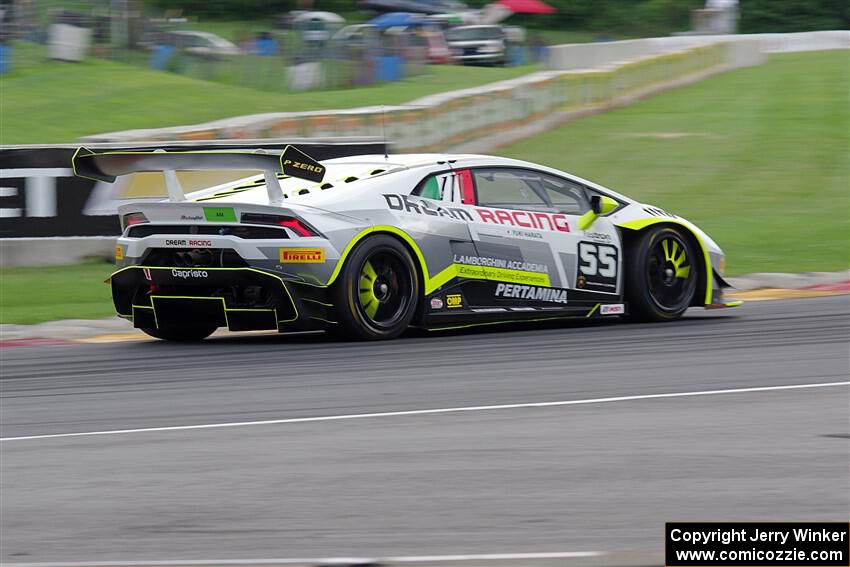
(616, 17)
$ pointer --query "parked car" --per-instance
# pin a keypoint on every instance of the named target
(202, 43)
(478, 44)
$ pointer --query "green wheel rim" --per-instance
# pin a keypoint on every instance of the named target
(384, 288)
(368, 299)
(669, 275)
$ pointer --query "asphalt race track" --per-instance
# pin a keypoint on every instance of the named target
(564, 477)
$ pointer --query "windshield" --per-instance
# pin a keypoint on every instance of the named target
(472, 34)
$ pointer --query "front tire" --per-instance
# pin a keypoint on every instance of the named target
(181, 334)
(377, 293)
(661, 274)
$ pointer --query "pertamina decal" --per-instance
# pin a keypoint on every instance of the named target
(454, 300)
(531, 293)
(302, 255)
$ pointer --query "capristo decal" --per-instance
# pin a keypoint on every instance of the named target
(532, 293)
(423, 207)
(189, 274)
(525, 219)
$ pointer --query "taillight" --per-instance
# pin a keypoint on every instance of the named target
(133, 218)
(297, 226)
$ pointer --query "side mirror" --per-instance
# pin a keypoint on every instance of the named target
(602, 205)
(599, 205)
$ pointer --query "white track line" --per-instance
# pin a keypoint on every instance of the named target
(432, 411)
(327, 560)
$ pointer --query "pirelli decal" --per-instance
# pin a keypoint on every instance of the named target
(302, 255)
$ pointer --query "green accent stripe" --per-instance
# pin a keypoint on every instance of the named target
(592, 311)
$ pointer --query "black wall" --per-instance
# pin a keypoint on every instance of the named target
(72, 193)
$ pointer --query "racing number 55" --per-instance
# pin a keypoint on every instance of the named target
(597, 267)
(597, 260)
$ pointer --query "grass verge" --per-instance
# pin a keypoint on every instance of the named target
(55, 102)
(758, 158)
(35, 295)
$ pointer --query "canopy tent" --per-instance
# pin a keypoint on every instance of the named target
(527, 6)
(397, 19)
(327, 17)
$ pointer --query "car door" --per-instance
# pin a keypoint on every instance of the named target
(526, 227)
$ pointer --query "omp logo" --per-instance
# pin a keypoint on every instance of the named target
(189, 274)
(302, 255)
(304, 166)
(534, 293)
(454, 300)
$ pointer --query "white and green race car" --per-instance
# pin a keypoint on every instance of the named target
(367, 246)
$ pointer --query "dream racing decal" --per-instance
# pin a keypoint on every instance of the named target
(191, 242)
(597, 267)
(423, 207)
(525, 219)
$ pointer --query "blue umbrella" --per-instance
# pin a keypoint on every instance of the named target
(397, 19)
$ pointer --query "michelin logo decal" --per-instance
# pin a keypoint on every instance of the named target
(533, 293)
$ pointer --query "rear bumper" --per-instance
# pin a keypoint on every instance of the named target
(239, 299)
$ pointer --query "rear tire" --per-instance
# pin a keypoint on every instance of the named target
(661, 273)
(377, 292)
(181, 334)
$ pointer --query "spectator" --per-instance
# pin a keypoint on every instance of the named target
(265, 45)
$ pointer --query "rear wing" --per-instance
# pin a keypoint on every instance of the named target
(107, 165)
